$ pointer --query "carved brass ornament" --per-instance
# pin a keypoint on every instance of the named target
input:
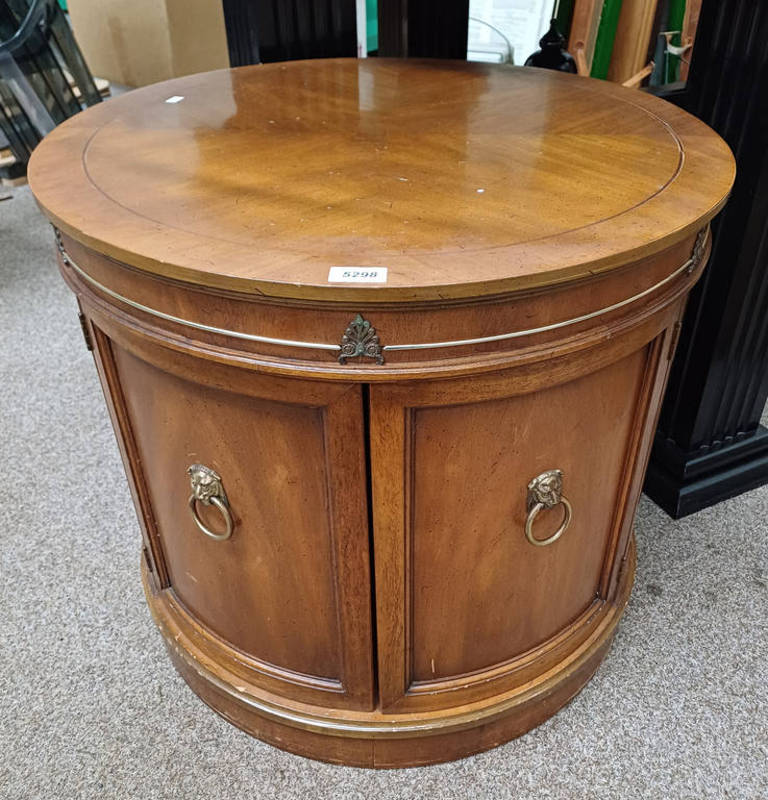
(351, 345)
(60, 245)
(545, 491)
(360, 339)
(699, 246)
(208, 490)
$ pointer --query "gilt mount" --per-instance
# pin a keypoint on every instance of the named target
(360, 339)
(699, 246)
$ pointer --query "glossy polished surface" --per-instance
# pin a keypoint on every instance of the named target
(472, 178)
(380, 602)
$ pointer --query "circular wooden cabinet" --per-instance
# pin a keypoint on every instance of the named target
(384, 343)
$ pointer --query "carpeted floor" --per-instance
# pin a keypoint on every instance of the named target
(91, 708)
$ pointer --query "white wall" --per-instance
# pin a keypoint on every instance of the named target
(523, 22)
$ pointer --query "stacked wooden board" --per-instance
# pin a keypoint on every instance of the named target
(616, 39)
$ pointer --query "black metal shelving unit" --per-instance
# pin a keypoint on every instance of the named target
(43, 76)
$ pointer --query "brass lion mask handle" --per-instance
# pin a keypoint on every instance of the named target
(207, 489)
(545, 491)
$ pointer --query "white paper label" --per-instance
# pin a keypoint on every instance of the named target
(177, 98)
(357, 275)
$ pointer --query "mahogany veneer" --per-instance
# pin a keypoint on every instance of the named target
(380, 601)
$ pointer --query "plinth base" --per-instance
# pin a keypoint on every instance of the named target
(683, 483)
(373, 738)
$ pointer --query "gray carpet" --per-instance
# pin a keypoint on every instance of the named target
(91, 707)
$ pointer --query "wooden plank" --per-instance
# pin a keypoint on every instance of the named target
(633, 35)
(639, 77)
(690, 23)
(584, 26)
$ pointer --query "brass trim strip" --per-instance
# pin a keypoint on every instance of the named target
(251, 337)
(688, 266)
(447, 720)
(488, 708)
(402, 728)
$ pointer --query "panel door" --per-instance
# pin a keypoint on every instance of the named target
(463, 599)
(290, 589)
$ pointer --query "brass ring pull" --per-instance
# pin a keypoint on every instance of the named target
(207, 488)
(546, 491)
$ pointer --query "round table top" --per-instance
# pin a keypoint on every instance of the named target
(460, 179)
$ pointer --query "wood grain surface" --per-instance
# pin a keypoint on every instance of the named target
(378, 602)
(461, 179)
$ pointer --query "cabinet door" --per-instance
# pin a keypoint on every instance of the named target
(464, 601)
(288, 594)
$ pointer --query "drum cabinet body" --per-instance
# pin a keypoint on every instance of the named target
(385, 522)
